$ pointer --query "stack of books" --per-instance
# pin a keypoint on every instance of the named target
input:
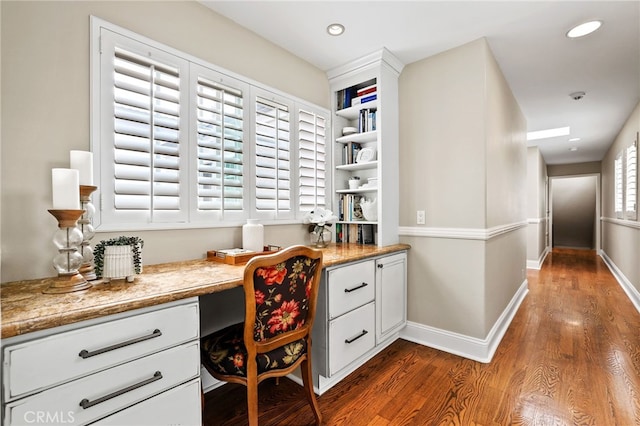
(364, 95)
(352, 96)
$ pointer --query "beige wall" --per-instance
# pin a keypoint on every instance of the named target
(463, 161)
(45, 111)
(536, 207)
(620, 238)
(574, 169)
(442, 131)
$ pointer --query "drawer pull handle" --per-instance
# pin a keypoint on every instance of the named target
(85, 403)
(357, 337)
(84, 354)
(349, 290)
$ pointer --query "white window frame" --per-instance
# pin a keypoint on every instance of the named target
(631, 180)
(191, 217)
(618, 185)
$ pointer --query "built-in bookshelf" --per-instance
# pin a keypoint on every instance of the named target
(365, 135)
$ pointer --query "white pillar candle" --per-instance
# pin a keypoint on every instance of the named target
(82, 161)
(66, 189)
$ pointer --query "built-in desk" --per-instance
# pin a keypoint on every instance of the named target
(44, 337)
(26, 309)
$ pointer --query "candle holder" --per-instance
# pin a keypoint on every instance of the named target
(85, 225)
(67, 239)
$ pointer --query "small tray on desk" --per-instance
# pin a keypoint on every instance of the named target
(233, 257)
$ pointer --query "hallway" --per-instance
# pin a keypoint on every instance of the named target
(570, 357)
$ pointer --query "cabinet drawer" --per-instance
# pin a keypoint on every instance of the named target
(110, 390)
(178, 406)
(38, 364)
(350, 287)
(351, 336)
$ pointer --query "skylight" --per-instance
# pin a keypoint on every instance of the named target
(548, 133)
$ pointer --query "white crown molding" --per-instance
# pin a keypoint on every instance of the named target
(621, 222)
(460, 233)
(481, 350)
(357, 65)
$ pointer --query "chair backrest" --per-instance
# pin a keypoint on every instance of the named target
(281, 291)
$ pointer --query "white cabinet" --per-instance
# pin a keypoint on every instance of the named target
(87, 371)
(361, 309)
(391, 295)
(365, 98)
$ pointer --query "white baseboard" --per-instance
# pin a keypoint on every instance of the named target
(481, 350)
(632, 292)
(537, 264)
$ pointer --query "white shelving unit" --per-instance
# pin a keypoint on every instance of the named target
(382, 70)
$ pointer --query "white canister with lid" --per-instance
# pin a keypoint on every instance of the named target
(253, 235)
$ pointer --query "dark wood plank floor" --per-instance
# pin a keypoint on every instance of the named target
(570, 357)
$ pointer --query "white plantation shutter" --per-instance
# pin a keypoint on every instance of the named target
(145, 137)
(618, 186)
(312, 128)
(631, 182)
(220, 147)
(272, 159)
(178, 142)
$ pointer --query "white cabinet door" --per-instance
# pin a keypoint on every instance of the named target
(391, 295)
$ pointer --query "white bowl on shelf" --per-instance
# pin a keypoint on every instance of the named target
(349, 131)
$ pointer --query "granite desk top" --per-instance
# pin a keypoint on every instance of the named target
(26, 309)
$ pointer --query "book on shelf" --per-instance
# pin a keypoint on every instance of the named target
(350, 152)
(349, 208)
(359, 233)
(367, 90)
(367, 120)
(364, 99)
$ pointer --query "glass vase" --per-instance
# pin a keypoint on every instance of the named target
(320, 237)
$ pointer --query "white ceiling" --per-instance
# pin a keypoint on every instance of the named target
(527, 38)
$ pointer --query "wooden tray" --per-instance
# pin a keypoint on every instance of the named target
(235, 259)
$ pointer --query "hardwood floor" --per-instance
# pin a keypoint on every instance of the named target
(570, 357)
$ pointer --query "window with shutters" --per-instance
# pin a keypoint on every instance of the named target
(312, 128)
(618, 186)
(631, 181)
(272, 158)
(181, 143)
(220, 133)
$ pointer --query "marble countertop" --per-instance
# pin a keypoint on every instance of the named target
(26, 309)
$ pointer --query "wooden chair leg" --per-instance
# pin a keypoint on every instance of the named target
(252, 400)
(307, 380)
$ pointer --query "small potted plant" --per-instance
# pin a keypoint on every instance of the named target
(119, 257)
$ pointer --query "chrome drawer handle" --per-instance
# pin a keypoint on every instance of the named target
(349, 290)
(85, 403)
(84, 354)
(357, 337)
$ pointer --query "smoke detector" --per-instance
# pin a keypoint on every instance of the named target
(576, 96)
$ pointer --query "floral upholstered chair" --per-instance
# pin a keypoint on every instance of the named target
(280, 291)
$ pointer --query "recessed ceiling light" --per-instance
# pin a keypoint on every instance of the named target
(573, 148)
(584, 29)
(574, 139)
(548, 133)
(335, 29)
